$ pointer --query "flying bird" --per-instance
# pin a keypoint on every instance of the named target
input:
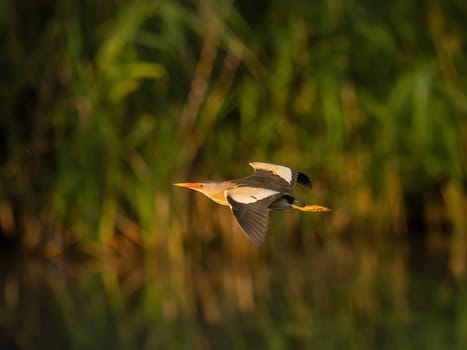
(251, 198)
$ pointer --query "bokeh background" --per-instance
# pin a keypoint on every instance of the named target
(106, 103)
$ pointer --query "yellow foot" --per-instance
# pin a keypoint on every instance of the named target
(311, 208)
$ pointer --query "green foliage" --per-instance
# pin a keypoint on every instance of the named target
(124, 99)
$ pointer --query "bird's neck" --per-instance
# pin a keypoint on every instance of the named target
(217, 191)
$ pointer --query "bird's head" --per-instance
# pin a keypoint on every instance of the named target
(212, 189)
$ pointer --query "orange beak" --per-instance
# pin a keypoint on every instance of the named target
(192, 185)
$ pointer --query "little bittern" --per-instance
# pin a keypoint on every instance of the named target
(251, 198)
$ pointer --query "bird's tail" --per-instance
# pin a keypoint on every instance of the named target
(308, 208)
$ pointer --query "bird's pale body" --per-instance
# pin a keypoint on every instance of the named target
(211, 189)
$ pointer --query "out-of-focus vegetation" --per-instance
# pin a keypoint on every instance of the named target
(104, 104)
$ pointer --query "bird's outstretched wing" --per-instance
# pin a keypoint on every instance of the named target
(280, 175)
(250, 208)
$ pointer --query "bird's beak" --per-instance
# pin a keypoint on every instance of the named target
(192, 185)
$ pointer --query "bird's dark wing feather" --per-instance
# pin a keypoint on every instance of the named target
(250, 208)
(303, 180)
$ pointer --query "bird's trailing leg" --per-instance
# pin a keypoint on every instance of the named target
(311, 208)
(296, 204)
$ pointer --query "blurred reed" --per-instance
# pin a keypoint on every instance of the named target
(125, 102)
